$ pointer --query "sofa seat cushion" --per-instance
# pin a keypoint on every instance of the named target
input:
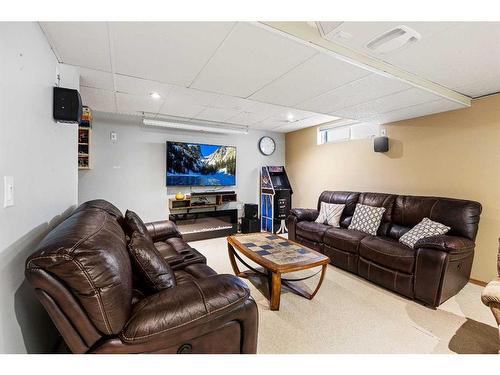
(388, 252)
(344, 239)
(182, 277)
(311, 230)
(193, 272)
(178, 253)
(168, 252)
(180, 311)
(200, 270)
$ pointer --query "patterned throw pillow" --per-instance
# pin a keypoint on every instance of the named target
(367, 219)
(330, 213)
(426, 228)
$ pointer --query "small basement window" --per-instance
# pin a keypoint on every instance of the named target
(349, 132)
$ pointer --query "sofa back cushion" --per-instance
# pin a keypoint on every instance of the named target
(462, 216)
(101, 204)
(380, 200)
(88, 253)
(347, 198)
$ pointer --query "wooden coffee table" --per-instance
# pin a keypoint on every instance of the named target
(277, 256)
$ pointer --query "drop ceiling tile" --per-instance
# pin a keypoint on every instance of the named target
(98, 100)
(248, 59)
(317, 120)
(286, 116)
(255, 113)
(463, 55)
(169, 52)
(363, 90)
(216, 114)
(96, 79)
(269, 125)
(388, 103)
(314, 77)
(143, 87)
(232, 102)
(85, 44)
(136, 104)
(183, 102)
(357, 35)
(482, 87)
(441, 105)
(304, 123)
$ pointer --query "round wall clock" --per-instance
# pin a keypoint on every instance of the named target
(267, 145)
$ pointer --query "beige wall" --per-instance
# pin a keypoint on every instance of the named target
(452, 154)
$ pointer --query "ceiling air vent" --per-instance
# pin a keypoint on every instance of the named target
(394, 39)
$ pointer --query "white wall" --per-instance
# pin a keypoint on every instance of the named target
(41, 155)
(131, 172)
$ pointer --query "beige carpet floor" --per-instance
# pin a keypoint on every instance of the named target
(351, 315)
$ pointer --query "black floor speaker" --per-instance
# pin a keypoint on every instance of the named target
(251, 211)
(250, 225)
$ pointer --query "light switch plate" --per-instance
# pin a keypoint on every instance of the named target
(113, 136)
(8, 191)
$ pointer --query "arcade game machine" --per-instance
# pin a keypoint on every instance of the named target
(275, 199)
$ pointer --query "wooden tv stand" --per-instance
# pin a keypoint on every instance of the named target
(201, 200)
(204, 223)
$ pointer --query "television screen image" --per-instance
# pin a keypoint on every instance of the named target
(194, 164)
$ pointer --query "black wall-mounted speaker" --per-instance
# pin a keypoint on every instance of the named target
(67, 105)
(381, 144)
(251, 211)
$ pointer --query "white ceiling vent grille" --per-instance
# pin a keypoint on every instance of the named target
(394, 39)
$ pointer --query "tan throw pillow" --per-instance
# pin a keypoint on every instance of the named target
(426, 228)
(152, 270)
(330, 213)
(367, 219)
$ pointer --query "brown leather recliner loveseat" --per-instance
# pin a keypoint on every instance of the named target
(82, 274)
(435, 270)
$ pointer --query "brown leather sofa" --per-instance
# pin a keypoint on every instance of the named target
(82, 274)
(431, 273)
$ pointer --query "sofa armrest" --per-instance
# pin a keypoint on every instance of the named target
(449, 244)
(162, 230)
(491, 298)
(184, 307)
(304, 214)
(491, 293)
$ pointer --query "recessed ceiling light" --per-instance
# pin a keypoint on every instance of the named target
(155, 95)
(289, 117)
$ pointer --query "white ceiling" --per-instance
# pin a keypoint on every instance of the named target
(463, 56)
(245, 74)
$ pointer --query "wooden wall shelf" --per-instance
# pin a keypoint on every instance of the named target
(84, 139)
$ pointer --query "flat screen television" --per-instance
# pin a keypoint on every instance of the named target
(196, 164)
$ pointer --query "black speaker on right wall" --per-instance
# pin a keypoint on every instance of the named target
(381, 144)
